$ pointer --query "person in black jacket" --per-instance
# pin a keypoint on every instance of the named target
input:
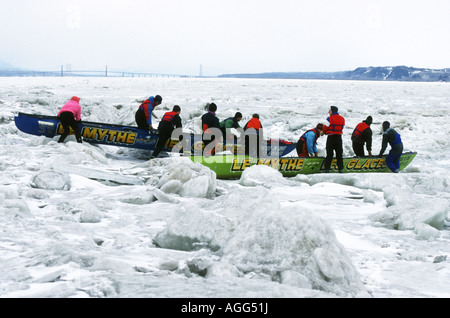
(167, 125)
(362, 134)
(209, 123)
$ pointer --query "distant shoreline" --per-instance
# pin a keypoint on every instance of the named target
(372, 73)
(385, 73)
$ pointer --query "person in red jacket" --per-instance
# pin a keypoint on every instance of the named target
(253, 128)
(334, 139)
(144, 113)
(167, 125)
(70, 116)
(362, 134)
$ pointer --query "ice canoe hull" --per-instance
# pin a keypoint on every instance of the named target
(231, 167)
(92, 132)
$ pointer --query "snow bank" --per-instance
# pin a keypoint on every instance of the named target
(51, 180)
(261, 175)
(249, 231)
(409, 214)
(408, 197)
(181, 176)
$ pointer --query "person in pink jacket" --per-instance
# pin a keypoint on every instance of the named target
(70, 115)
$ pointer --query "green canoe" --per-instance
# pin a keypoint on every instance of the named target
(231, 166)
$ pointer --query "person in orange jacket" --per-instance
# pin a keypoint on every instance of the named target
(253, 127)
(334, 139)
(362, 134)
(143, 115)
(167, 125)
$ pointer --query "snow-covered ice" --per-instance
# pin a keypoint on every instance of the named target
(81, 220)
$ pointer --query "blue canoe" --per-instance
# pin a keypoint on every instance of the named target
(124, 136)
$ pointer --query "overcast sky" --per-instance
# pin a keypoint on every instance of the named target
(224, 36)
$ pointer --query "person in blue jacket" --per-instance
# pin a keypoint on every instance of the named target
(307, 143)
(144, 113)
(395, 141)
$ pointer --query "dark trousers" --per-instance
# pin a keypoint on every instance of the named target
(141, 121)
(334, 144)
(206, 142)
(165, 132)
(358, 148)
(252, 148)
(67, 121)
(302, 150)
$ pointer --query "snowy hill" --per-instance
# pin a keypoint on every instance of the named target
(381, 73)
(4, 65)
(399, 73)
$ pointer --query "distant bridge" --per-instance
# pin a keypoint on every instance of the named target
(83, 73)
